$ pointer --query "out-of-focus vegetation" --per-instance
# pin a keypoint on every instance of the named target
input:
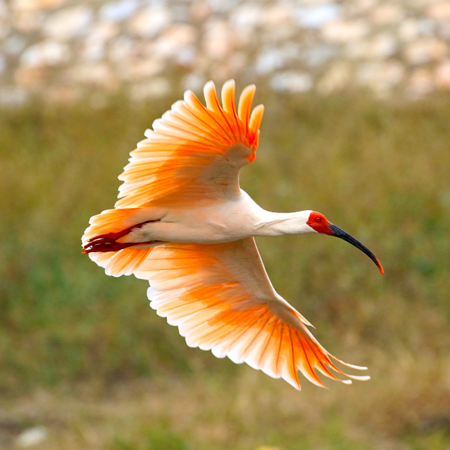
(83, 355)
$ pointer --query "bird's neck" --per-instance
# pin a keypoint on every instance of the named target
(280, 224)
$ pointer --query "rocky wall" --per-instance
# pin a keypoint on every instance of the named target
(62, 49)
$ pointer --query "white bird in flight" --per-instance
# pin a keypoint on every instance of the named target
(183, 223)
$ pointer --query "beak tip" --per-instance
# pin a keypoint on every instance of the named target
(380, 267)
(337, 232)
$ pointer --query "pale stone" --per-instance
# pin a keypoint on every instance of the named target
(335, 79)
(93, 52)
(31, 437)
(35, 5)
(442, 75)
(2, 64)
(425, 51)
(230, 67)
(222, 6)
(269, 60)
(309, 3)
(4, 30)
(247, 16)
(186, 56)
(121, 49)
(408, 30)
(277, 14)
(31, 78)
(218, 39)
(280, 33)
(421, 4)
(341, 31)
(102, 33)
(47, 53)
(222, 71)
(3, 13)
(63, 95)
(141, 69)
(200, 10)
(118, 11)
(357, 49)
(387, 14)
(316, 16)
(291, 81)
(380, 76)
(28, 21)
(14, 45)
(318, 54)
(203, 63)
(180, 13)
(425, 27)
(368, 73)
(238, 61)
(94, 48)
(244, 38)
(163, 50)
(155, 88)
(150, 22)
(439, 11)
(172, 42)
(69, 23)
(411, 29)
(360, 6)
(98, 74)
(420, 83)
(444, 30)
(193, 81)
(381, 46)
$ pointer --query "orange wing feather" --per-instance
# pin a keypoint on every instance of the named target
(221, 299)
(187, 144)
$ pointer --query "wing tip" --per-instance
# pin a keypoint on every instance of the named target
(228, 86)
(256, 118)
(352, 366)
(209, 88)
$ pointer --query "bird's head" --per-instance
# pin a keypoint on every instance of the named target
(320, 224)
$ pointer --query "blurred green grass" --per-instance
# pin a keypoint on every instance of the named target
(378, 170)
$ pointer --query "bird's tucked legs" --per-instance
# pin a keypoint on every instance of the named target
(108, 242)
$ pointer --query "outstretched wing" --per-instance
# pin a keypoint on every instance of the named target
(194, 152)
(192, 156)
(221, 299)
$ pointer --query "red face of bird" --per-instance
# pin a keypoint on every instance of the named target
(318, 222)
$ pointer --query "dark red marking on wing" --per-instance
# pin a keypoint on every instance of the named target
(108, 242)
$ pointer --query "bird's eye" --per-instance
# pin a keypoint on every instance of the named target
(318, 219)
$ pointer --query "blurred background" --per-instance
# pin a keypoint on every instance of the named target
(357, 97)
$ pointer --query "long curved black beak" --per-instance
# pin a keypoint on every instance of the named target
(336, 231)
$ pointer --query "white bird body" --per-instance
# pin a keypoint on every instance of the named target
(223, 221)
(183, 223)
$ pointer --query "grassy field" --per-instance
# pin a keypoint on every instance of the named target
(84, 356)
